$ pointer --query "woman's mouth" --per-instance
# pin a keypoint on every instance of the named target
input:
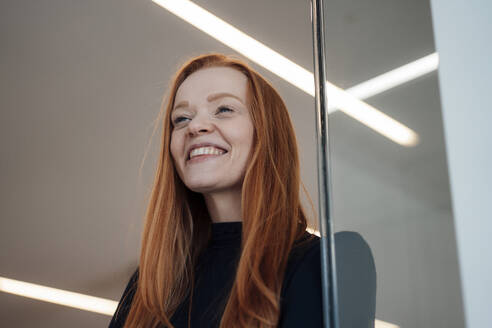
(202, 153)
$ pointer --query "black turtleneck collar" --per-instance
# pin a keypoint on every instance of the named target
(226, 234)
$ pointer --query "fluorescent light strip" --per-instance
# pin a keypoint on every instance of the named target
(378, 120)
(313, 231)
(378, 323)
(241, 42)
(81, 301)
(370, 116)
(58, 296)
(396, 77)
(384, 324)
(288, 70)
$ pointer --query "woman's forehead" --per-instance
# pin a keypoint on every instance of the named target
(211, 80)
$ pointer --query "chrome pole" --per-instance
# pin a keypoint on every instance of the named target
(328, 266)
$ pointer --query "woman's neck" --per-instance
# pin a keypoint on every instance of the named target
(224, 206)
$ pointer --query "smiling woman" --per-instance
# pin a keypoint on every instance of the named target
(212, 138)
(225, 241)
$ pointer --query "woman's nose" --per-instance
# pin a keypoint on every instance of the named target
(200, 124)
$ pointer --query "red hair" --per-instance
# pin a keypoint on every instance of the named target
(177, 225)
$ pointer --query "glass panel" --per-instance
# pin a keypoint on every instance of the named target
(390, 179)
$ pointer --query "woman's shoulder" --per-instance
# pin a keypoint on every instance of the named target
(304, 259)
(352, 254)
(356, 280)
(307, 247)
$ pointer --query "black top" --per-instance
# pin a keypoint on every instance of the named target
(301, 300)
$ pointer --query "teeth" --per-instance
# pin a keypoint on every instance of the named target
(206, 151)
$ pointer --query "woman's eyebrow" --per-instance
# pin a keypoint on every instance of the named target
(210, 98)
(215, 96)
(181, 104)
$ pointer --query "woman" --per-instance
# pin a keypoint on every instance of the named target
(225, 241)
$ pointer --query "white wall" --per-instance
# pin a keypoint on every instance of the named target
(463, 33)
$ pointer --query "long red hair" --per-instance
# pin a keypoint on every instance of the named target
(177, 226)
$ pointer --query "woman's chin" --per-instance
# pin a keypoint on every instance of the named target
(202, 188)
(211, 188)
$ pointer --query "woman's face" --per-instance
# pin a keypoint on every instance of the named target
(212, 130)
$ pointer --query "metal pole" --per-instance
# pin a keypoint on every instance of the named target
(328, 266)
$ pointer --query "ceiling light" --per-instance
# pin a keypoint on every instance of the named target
(370, 116)
(395, 77)
(58, 296)
(80, 301)
(288, 70)
(384, 324)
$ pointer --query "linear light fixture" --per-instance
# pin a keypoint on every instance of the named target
(79, 301)
(384, 324)
(58, 296)
(288, 70)
(395, 77)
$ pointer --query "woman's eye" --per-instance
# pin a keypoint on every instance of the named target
(179, 119)
(224, 109)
